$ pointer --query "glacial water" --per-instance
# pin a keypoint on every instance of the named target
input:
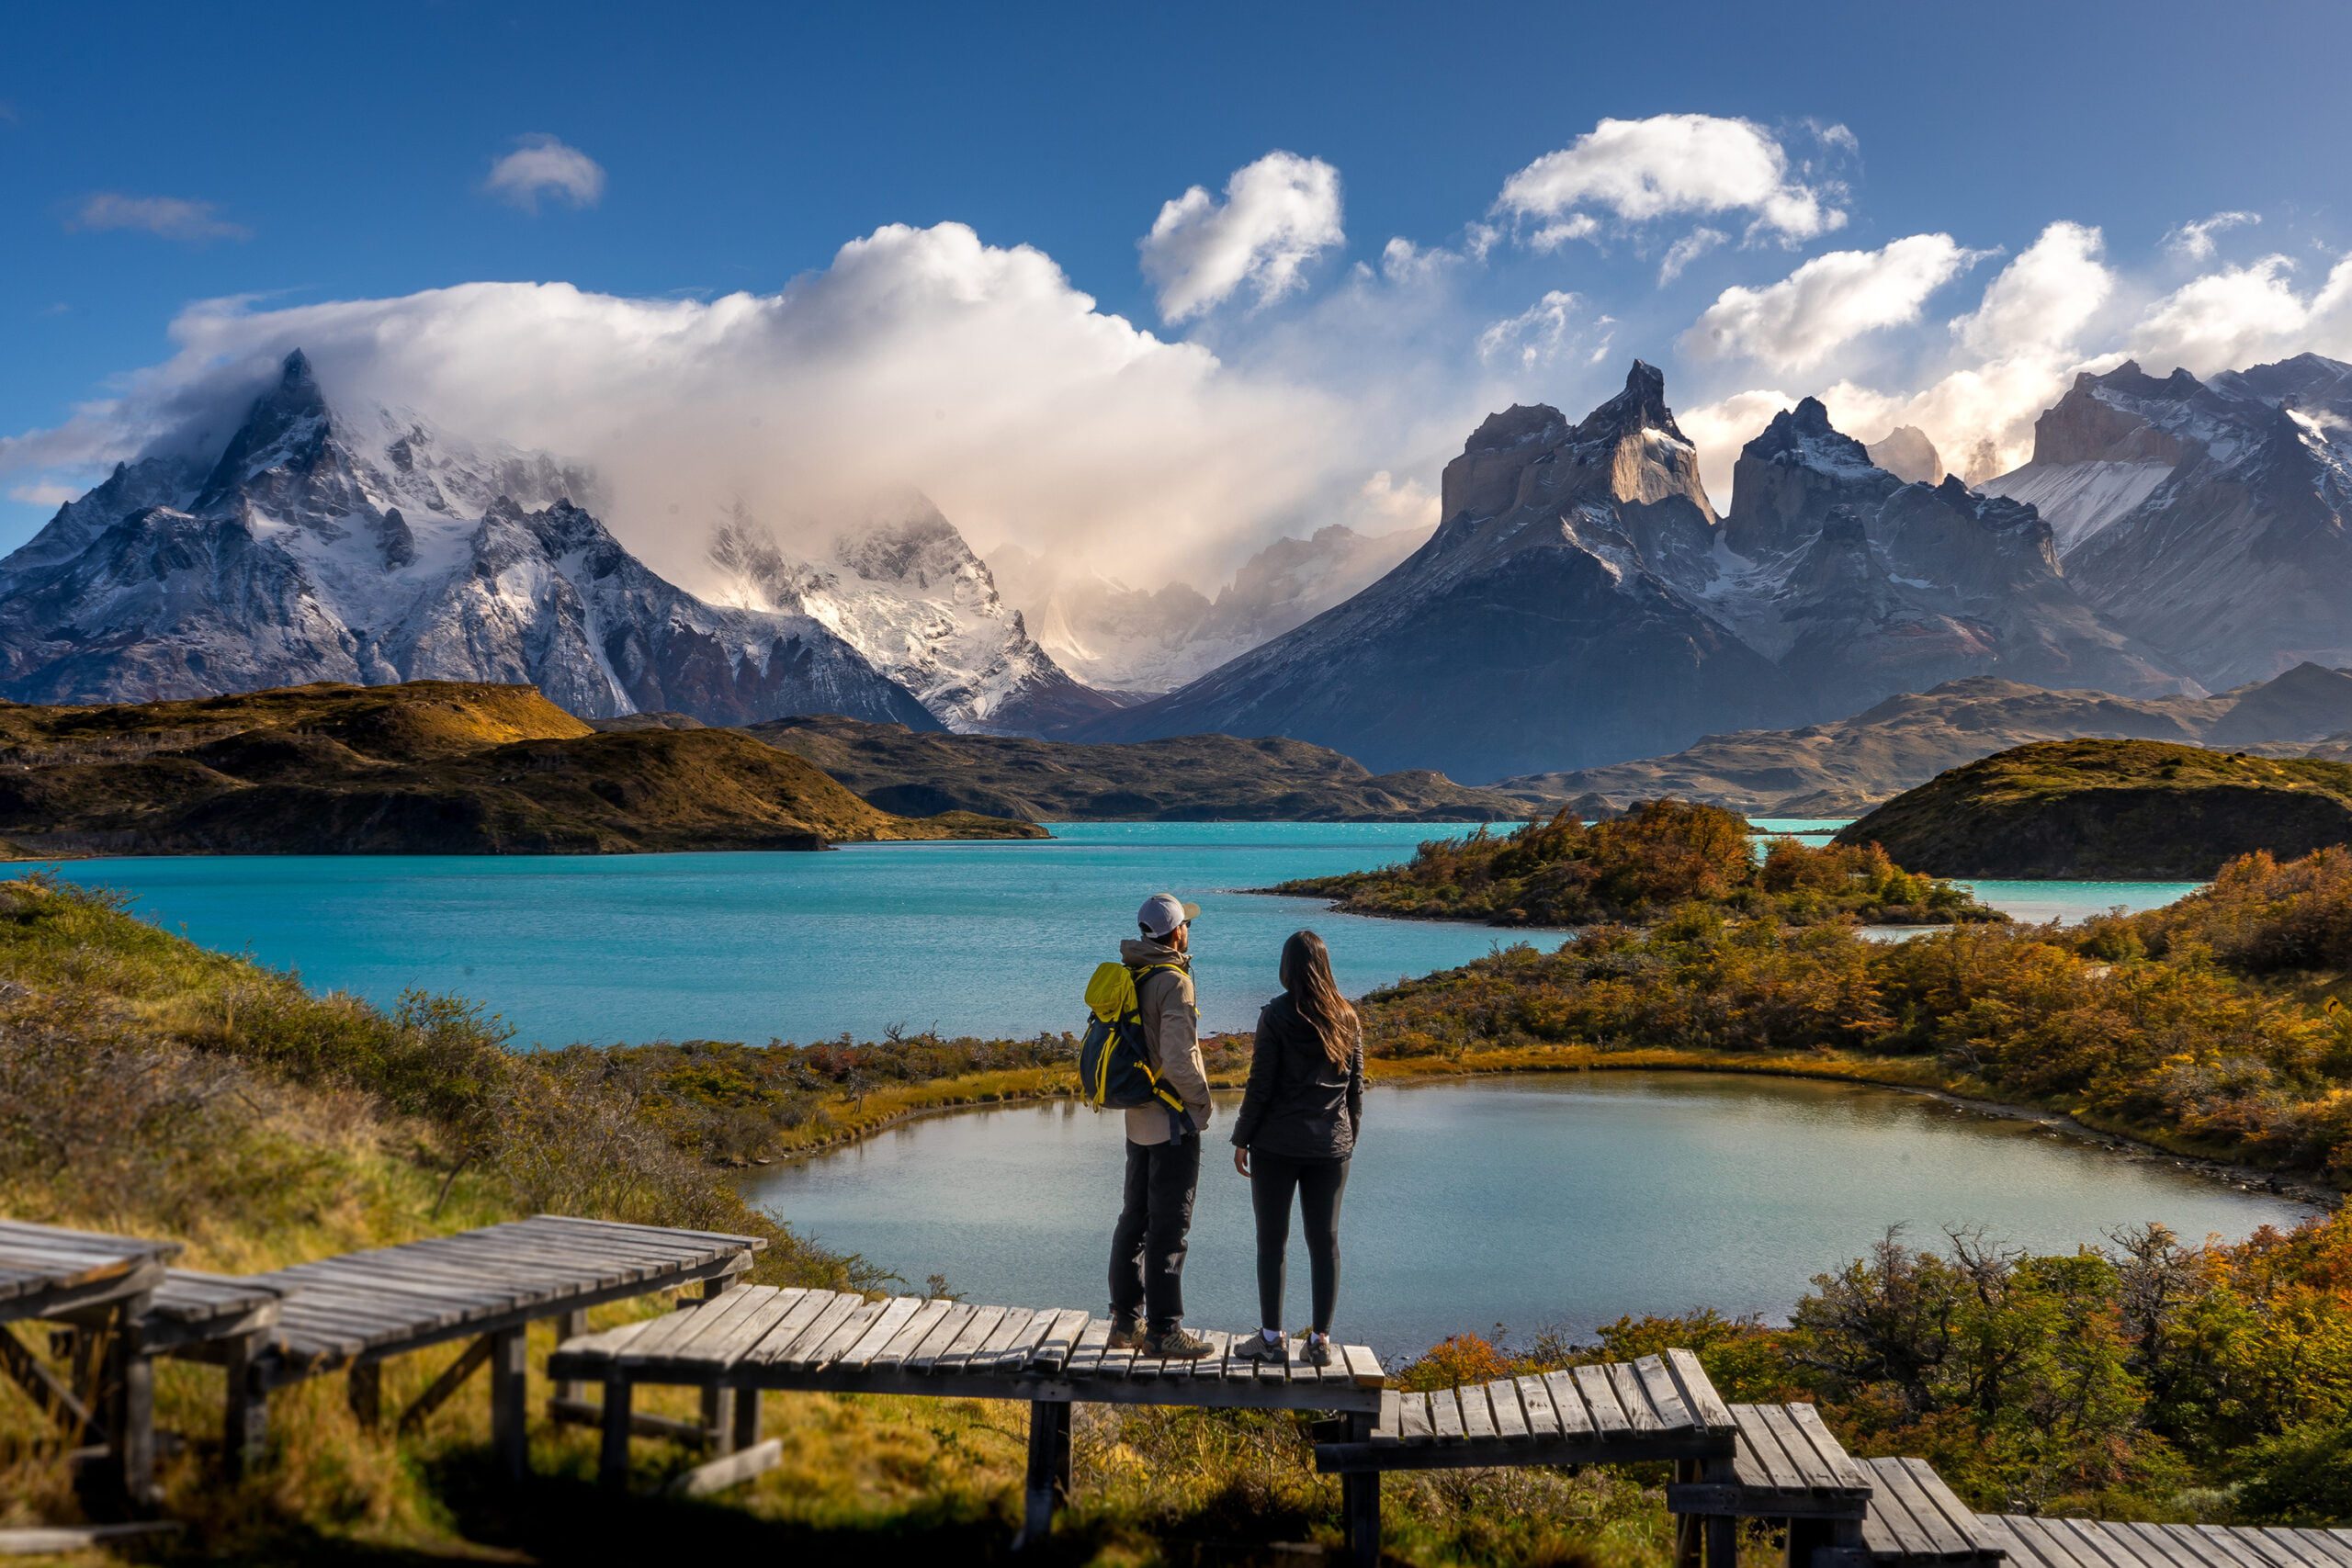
(966, 938)
(1529, 1202)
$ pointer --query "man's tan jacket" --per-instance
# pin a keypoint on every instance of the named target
(1172, 1032)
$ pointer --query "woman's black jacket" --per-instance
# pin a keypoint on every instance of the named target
(1298, 1105)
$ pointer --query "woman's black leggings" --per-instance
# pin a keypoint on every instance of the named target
(1318, 1183)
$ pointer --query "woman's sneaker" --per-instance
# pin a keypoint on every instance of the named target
(1318, 1350)
(1177, 1344)
(1258, 1347)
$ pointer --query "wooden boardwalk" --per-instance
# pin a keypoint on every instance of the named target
(756, 1338)
(102, 1285)
(121, 1302)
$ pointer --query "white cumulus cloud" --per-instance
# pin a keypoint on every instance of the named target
(1537, 335)
(920, 357)
(541, 166)
(1277, 215)
(1673, 165)
(2237, 316)
(2042, 300)
(170, 216)
(2195, 241)
(1686, 250)
(1831, 300)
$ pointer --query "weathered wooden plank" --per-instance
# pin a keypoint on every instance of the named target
(1445, 1416)
(2219, 1544)
(1631, 1399)
(894, 1315)
(800, 1348)
(1013, 1332)
(1768, 1462)
(1477, 1414)
(718, 1475)
(968, 1339)
(1511, 1416)
(1364, 1367)
(781, 1333)
(932, 1345)
(1052, 1349)
(912, 1332)
(1699, 1391)
(727, 1349)
(1901, 1513)
(2083, 1536)
(1814, 1474)
(1217, 1363)
(1567, 1403)
(2329, 1546)
(1389, 1428)
(45, 1540)
(1658, 1386)
(1543, 1421)
(669, 1332)
(846, 1331)
(2161, 1545)
(1600, 1399)
(651, 1234)
(1413, 1416)
(1837, 1464)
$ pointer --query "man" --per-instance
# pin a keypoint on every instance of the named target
(1163, 1152)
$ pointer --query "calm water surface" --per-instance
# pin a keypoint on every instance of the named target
(967, 938)
(1530, 1202)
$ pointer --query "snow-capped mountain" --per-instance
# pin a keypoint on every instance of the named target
(326, 543)
(905, 589)
(2208, 517)
(1131, 640)
(1582, 599)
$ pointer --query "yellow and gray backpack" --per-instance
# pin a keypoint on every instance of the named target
(1115, 1068)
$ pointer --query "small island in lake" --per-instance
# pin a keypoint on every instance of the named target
(2127, 810)
(428, 767)
(1638, 867)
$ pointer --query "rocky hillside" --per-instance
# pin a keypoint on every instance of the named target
(2111, 809)
(2180, 503)
(424, 768)
(1847, 766)
(1193, 778)
(360, 544)
(1582, 604)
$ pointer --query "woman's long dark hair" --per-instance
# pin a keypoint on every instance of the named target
(1306, 976)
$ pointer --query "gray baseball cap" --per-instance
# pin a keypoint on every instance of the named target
(1163, 912)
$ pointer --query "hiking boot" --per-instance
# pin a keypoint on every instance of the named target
(1258, 1347)
(1177, 1344)
(1126, 1332)
(1319, 1351)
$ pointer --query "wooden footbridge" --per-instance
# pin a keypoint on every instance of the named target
(119, 1305)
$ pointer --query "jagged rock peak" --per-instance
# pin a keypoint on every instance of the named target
(1806, 433)
(285, 422)
(1516, 426)
(1641, 406)
(1907, 454)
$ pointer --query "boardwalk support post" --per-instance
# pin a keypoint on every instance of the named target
(1360, 1501)
(363, 1391)
(510, 1437)
(1687, 1531)
(612, 1458)
(718, 1404)
(1049, 1483)
(245, 1418)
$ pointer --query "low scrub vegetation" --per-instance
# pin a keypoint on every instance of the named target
(2211, 1026)
(1656, 858)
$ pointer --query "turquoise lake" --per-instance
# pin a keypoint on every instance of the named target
(966, 938)
(1532, 1202)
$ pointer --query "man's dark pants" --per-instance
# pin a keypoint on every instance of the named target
(1148, 1249)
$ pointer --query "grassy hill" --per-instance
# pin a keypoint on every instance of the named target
(2123, 810)
(1192, 778)
(1846, 766)
(426, 768)
(1661, 856)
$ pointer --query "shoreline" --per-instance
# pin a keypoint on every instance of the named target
(1886, 1073)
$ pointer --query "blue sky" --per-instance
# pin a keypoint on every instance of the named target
(156, 156)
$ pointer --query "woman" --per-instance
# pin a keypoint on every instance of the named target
(1296, 1130)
